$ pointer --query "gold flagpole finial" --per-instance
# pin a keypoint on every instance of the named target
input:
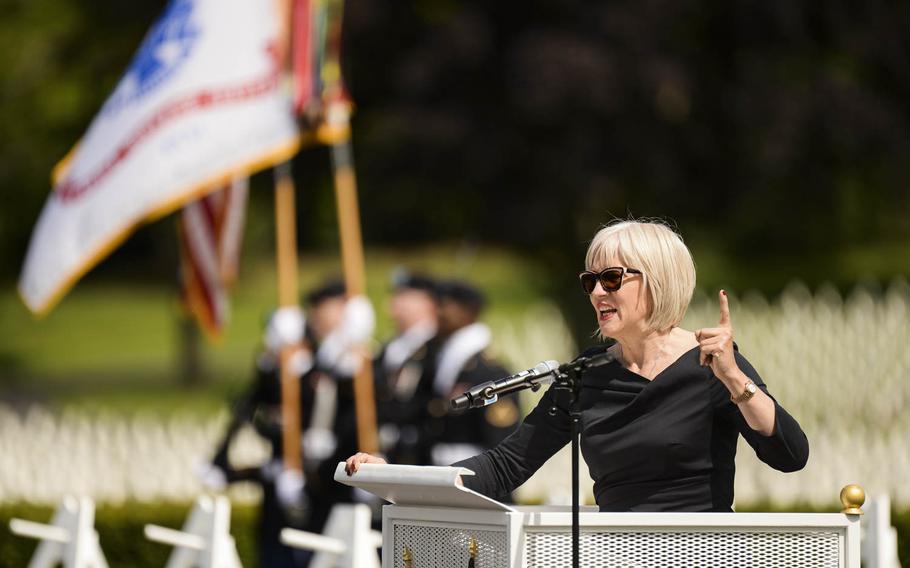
(472, 548)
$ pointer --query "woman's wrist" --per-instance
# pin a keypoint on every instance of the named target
(735, 382)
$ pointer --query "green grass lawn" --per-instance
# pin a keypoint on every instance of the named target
(117, 344)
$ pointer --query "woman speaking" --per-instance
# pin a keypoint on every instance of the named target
(659, 425)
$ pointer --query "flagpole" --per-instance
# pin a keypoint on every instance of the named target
(338, 122)
(286, 245)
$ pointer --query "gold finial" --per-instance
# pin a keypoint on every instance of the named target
(852, 496)
(472, 548)
(408, 559)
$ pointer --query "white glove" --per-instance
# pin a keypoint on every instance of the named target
(388, 436)
(211, 477)
(285, 327)
(357, 325)
(301, 362)
(318, 443)
(359, 320)
(289, 488)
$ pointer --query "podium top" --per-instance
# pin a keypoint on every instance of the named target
(421, 485)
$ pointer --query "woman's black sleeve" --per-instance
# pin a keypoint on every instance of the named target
(500, 470)
(787, 448)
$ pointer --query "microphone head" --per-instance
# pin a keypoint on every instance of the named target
(459, 404)
(545, 367)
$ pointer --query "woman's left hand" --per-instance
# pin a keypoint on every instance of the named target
(352, 464)
(717, 344)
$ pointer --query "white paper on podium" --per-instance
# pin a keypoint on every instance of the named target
(421, 485)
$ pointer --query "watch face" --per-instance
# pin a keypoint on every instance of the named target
(751, 388)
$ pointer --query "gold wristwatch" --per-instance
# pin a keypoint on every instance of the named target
(748, 392)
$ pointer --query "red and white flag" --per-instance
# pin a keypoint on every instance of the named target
(202, 102)
(211, 233)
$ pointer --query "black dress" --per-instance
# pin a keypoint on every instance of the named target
(662, 445)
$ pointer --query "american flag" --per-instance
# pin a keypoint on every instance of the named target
(210, 233)
(316, 57)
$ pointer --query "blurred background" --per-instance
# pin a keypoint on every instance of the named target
(490, 140)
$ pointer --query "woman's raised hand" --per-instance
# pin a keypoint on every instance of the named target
(352, 464)
(717, 343)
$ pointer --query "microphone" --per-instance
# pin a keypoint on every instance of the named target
(535, 377)
(488, 392)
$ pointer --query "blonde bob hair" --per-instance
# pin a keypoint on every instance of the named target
(667, 267)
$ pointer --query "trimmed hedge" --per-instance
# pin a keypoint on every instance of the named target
(120, 529)
(901, 521)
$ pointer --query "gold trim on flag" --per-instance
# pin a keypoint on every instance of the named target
(281, 153)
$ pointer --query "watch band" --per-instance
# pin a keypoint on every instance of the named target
(749, 389)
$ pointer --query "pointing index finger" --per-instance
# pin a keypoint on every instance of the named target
(724, 309)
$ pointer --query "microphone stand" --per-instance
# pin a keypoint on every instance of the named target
(567, 378)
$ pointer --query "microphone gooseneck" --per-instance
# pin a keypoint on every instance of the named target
(488, 392)
(543, 373)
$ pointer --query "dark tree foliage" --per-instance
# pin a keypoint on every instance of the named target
(59, 60)
(772, 127)
(766, 130)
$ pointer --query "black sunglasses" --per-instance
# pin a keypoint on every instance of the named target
(610, 278)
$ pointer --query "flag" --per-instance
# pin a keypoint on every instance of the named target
(210, 232)
(316, 63)
(306, 37)
(202, 102)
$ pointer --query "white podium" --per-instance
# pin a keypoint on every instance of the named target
(442, 524)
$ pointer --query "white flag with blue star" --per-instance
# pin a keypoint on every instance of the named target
(203, 101)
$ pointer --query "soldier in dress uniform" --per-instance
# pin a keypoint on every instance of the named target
(400, 365)
(338, 326)
(260, 406)
(460, 362)
(325, 360)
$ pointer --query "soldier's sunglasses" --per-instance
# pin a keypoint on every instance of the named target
(610, 278)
